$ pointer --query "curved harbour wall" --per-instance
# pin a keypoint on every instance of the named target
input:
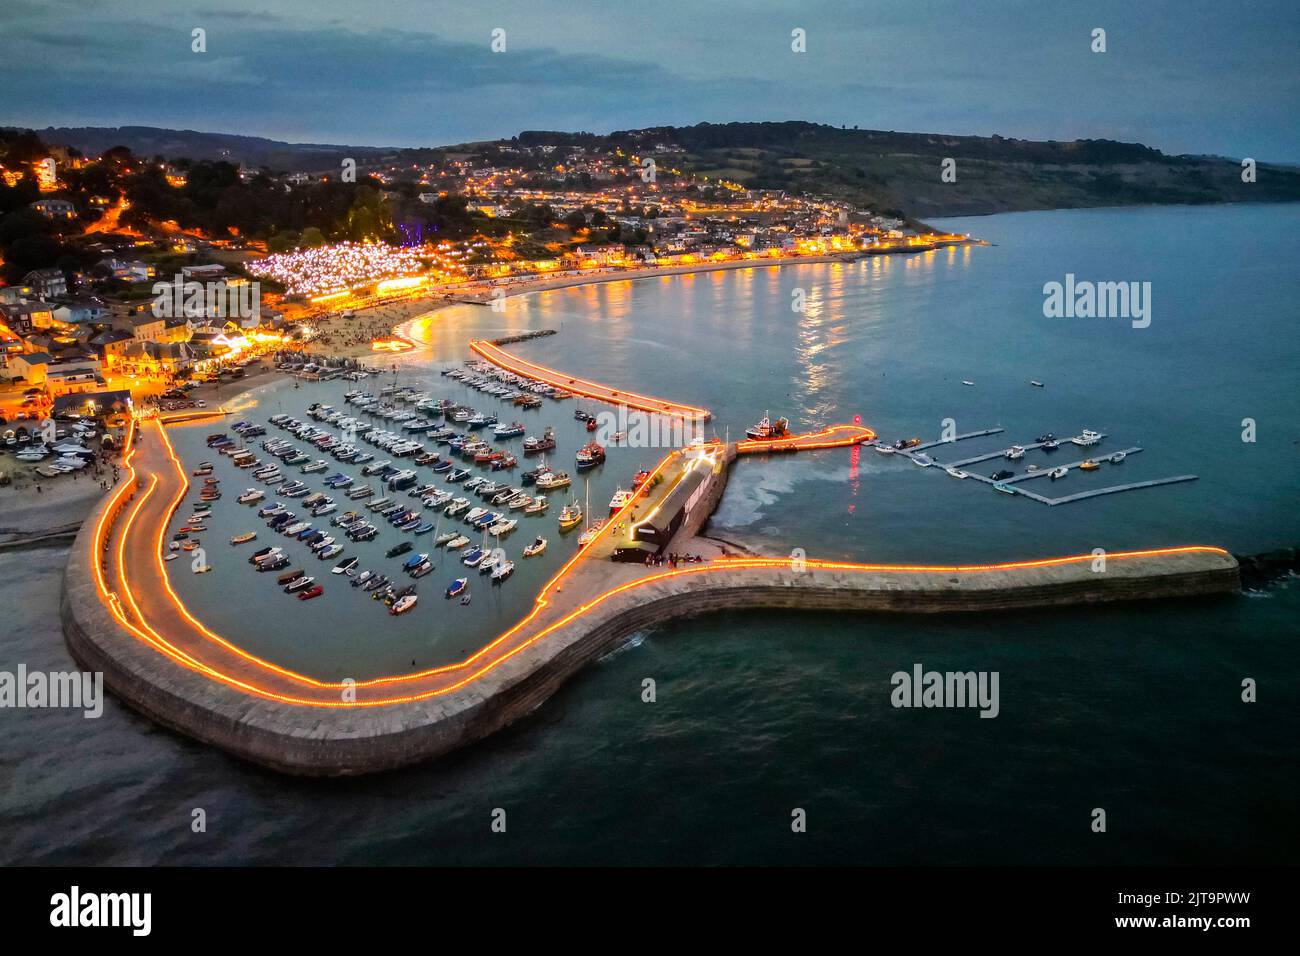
(335, 741)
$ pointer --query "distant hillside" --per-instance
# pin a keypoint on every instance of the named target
(882, 170)
(173, 144)
(901, 171)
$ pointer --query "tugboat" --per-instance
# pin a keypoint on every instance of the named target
(768, 430)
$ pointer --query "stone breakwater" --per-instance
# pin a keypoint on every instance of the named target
(345, 740)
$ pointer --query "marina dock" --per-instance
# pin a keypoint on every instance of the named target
(1013, 483)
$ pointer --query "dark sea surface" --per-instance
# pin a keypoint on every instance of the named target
(1135, 709)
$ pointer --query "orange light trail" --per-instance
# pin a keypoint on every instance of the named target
(588, 389)
(834, 436)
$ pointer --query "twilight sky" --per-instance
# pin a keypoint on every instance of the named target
(1187, 76)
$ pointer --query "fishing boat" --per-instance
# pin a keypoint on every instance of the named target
(539, 504)
(513, 430)
(314, 591)
(640, 478)
(768, 430)
(554, 479)
(570, 516)
(457, 587)
(243, 538)
(537, 547)
(403, 604)
(1086, 437)
(589, 456)
(621, 497)
(533, 445)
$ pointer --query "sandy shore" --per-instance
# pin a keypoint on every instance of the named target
(350, 338)
(59, 507)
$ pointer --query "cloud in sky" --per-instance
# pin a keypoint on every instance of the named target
(1193, 76)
